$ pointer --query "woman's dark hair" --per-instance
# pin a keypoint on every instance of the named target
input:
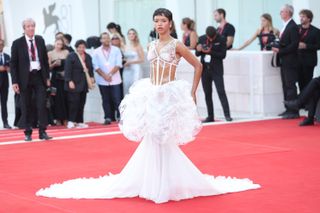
(80, 42)
(162, 12)
(189, 22)
(113, 25)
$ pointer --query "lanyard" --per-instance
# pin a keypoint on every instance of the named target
(220, 30)
(106, 56)
(303, 36)
(35, 48)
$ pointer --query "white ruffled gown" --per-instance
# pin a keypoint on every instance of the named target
(161, 117)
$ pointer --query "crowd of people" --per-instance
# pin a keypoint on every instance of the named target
(51, 82)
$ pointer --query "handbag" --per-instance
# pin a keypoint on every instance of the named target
(86, 72)
(275, 60)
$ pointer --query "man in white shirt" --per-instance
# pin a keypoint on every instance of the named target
(107, 61)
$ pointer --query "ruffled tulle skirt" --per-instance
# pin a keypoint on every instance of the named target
(161, 117)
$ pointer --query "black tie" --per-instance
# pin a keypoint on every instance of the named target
(1, 60)
(33, 52)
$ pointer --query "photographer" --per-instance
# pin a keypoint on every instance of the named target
(212, 49)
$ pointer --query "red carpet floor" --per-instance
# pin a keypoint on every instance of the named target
(277, 154)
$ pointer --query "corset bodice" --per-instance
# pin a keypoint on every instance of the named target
(163, 62)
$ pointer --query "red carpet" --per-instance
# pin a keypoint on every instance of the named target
(277, 154)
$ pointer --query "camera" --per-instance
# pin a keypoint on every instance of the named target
(52, 91)
(205, 47)
(275, 44)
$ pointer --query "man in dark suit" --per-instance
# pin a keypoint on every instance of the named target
(309, 97)
(308, 46)
(4, 84)
(30, 73)
(288, 52)
(212, 49)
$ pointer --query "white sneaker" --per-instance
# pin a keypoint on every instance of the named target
(70, 125)
(82, 125)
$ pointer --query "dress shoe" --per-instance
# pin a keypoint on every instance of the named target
(107, 121)
(70, 125)
(294, 105)
(307, 122)
(283, 113)
(44, 136)
(208, 119)
(27, 138)
(291, 116)
(229, 119)
(7, 126)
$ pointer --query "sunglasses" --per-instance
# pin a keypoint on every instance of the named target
(115, 38)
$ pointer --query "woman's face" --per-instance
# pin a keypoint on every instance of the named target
(132, 35)
(81, 48)
(112, 30)
(183, 27)
(58, 45)
(115, 41)
(264, 22)
(162, 24)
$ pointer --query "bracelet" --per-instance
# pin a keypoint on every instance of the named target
(110, 74)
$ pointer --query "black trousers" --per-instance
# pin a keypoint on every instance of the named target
(310, 96)
(36, 90)
(305, 75)
(289, 77)
(210, 74)
(76, 103)
(111, 98)
(17, 117)
(4, 90)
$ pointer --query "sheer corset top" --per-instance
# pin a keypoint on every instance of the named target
(163, 62)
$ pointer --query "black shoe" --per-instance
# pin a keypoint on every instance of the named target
(294, 105)
(229, 119)
(107, 121)
(27, 138)
(208, 119)
(291, 116)
(283, 113)
(307, 122)
(44, 136)
(7, 126)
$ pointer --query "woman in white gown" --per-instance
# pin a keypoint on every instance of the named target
(134, 57)
(159, 112)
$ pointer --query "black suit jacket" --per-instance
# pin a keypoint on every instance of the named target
(20, 61)
(74, 72)
(289, 43)
(309, 56)
(4, 80)
(218, 51)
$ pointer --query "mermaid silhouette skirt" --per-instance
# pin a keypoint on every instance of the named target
(160, 118)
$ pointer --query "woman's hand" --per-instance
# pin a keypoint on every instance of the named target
(194, 97)
(72, 85)
(128, 63)
(92, 80)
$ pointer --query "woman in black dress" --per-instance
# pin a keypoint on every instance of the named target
(57, 59)
(266, 34)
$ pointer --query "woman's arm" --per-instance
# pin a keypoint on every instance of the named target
(184, 52)
(248, 42)
(140, 59)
